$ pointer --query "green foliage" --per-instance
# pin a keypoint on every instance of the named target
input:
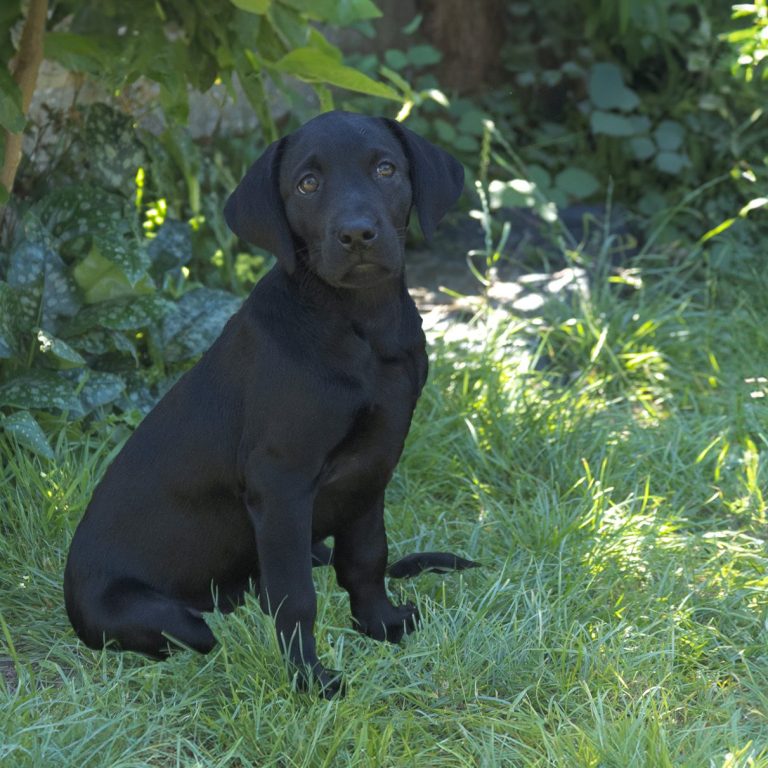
(177, 44)
(199, 317)
(752, 40)
(103, 272)
(636, 96)
(658, 111)
(28, 433)
(97, 312)
(614, 111)
(11, 115)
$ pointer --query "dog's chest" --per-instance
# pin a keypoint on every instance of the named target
(371, 447)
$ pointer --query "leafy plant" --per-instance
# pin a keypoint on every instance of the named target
(178, 44)
(639, 97)
(70, 352)
(751, 41)
(97, 312)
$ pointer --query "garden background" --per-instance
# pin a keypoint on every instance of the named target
(594, 429)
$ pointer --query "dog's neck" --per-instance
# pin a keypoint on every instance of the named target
(383, 313)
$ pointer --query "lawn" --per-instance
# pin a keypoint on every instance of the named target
(605, 461)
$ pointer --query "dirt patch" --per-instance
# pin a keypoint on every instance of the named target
(447, 292)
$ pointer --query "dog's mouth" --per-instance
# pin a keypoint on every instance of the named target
(366, 268)
(365, 274)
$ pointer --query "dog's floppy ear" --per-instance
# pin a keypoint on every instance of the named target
(437, 179)
(255, 212)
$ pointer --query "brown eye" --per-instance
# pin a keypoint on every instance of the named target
(308, 184)
(385, 169)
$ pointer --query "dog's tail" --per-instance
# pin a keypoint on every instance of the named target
(424, 562)
(408, 566)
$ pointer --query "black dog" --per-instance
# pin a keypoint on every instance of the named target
(289, 428)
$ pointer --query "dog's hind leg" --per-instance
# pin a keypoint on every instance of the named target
(137, 618)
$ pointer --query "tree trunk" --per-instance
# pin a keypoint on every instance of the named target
(24, 70)
(470, 36)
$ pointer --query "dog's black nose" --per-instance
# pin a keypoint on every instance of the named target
(360, 232)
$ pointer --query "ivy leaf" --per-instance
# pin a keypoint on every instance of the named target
(60, 351)
(314, 66)
(102, 280)
(445, 131)
(395, 58)
(669, 135)
(424, 55)
(171, 247)
(607, 90)
(42, 391)
(642, 147)
(110, 150)
(336, 12)
(99, 389)
(253, 6)
(24, 427)
(99, 341)
(611, 124)
(671, 162)
(130, 314)
(44, 289)
(471, 121)
(9, 317)
(200, 318)
(139, 396)
(466, 144)
(77, 213)
(577, 183)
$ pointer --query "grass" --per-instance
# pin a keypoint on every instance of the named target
(607, 464)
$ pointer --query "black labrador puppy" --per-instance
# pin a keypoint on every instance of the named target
(289, 428)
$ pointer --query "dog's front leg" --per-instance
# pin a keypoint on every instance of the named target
(280, 507)
(360, 560)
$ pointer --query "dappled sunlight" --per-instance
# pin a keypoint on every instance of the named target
(614, 443)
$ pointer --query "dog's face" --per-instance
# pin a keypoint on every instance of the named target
(337, 194)
(346, 192)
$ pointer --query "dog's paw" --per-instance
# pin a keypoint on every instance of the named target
(391, 623)
(329, 683)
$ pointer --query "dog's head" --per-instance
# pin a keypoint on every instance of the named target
(338, 192)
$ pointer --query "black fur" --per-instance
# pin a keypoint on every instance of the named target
(288, 430)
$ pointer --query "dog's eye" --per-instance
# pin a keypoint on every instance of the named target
(308, 184)
(385, 168)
